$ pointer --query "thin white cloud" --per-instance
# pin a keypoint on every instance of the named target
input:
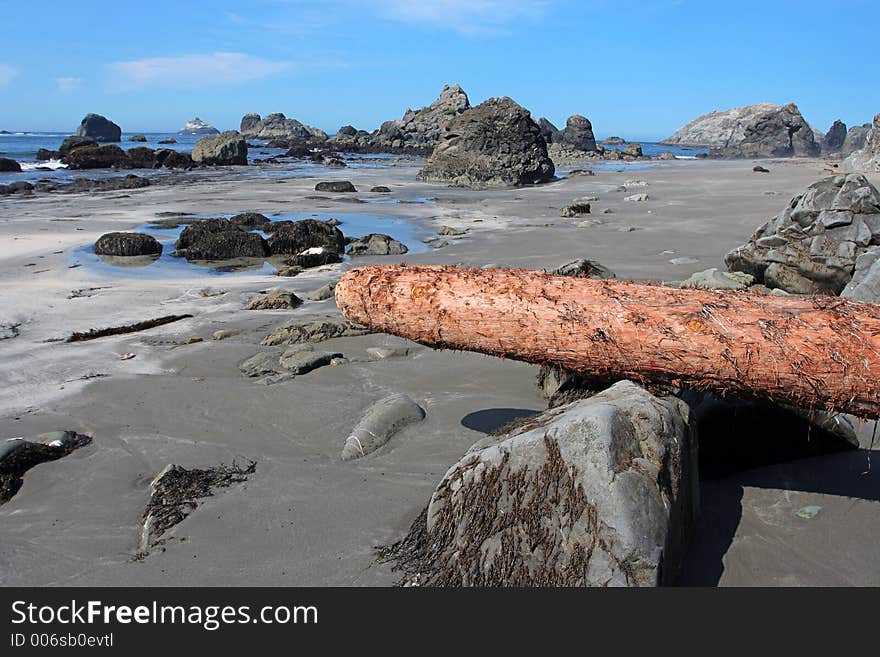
(68, 84)
(7, 73)
(190, 71)
(463, 16)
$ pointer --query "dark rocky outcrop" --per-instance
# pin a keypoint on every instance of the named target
(171, 159)
(141, 157)
(97, 157)
(218, 239)
(249, 123)
(833, 140)
(9, 166)
(226, 149)
(73, 142)
(295, 237)
(45, 154)
(494, 144)
(250, 220)
(99, 128)
(578, 134)
(813, 244)
(138, 138)
(549, 132)
(127, 244)
(763, 130)
(19, 455)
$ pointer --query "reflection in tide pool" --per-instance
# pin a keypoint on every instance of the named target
(168, 266)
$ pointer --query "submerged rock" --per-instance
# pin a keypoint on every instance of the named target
(99, 128)
(127, 244)
(494, 144)
(599, 492)
(812, 245)
(376, 244)
(138, 138)
(380, 423)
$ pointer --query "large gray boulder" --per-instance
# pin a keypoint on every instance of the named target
(376, 244)
(99, 128)
(599, 492)
(762, 130)
(494, 144)
(868, 157)
(227, 148)
(812, 245)
(865, 283)
(578, 134)
(421, 130)
(380, 423)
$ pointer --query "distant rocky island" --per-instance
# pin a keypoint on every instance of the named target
(198, 127)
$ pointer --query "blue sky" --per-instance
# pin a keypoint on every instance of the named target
(637, 68)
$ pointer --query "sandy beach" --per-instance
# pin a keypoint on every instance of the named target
(305, 517)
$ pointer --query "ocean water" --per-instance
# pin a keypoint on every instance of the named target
(167, 266)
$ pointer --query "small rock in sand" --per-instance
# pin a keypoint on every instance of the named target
(289, 270)
(380, 189)
(683, 261)
(9, 330)
(313, 329)
(262, 363)
(636, 197)
(222, 334)
(335, 186)
(275, 300)
(322, 293)
(449, 231)
(381, 353)
(299, 360)
(381, 421)
(575, 210)
(376, 244)
(713, 279)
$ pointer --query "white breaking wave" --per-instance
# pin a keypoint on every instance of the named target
(51, 164)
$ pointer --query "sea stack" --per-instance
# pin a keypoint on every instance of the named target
(494, 144)
(198, 127)
(99, 128)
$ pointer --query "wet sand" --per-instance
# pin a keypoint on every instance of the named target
(305, 517)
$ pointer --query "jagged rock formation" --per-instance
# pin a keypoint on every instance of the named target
(812, 245)
(868, 157)
(198, 127)
(832, 141)
(493, 144)
(762, 130)
(855, 139)
(278, 126)
(420, 131)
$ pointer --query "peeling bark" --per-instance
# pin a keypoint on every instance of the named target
(816, 352)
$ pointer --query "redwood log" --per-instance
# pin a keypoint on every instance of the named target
(817, 352)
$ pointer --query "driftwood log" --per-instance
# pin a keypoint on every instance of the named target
(818, 352)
